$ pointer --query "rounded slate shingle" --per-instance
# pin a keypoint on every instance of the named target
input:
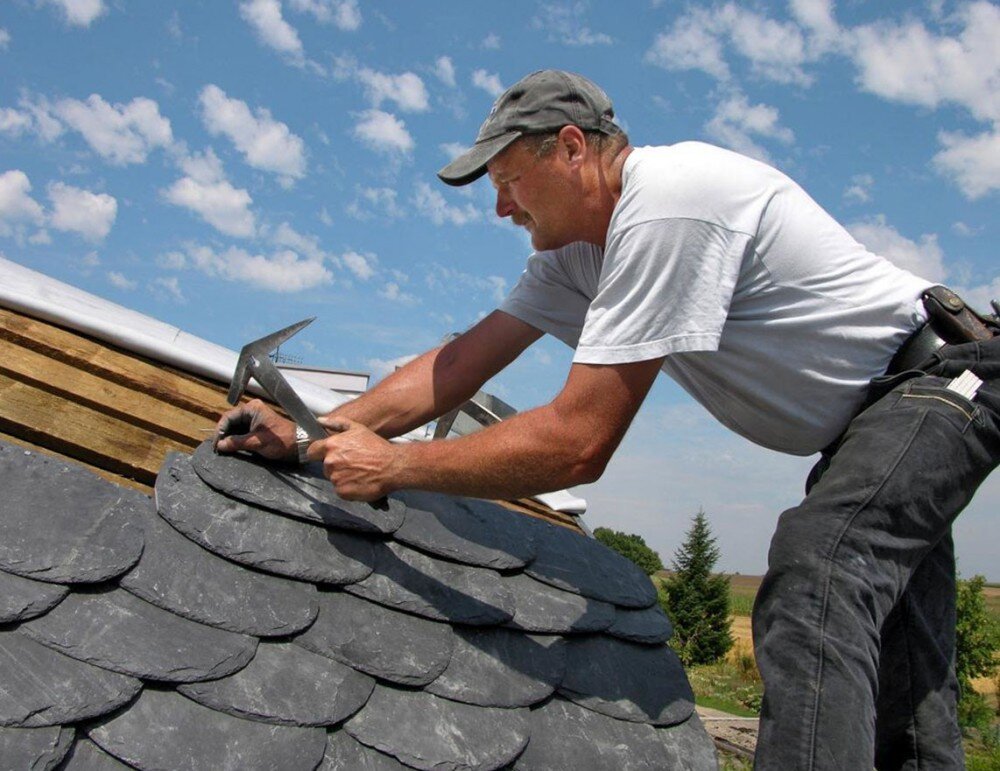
(34, 748)
(465, 530)
(84, 755)
(585, 566)
(344, 752)
(501, 668)
(649, 625)
(21, 598)
(41, 687)
(214, 591)
(382, 642)
(428, 732)
(298, 491)
(444, 591)
(163, 729)
(624, 680)
(540, 607)
(288, 685)
(118, 631)
(564, 735)
(62, 524)
(256, 537)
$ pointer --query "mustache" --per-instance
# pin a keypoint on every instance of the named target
(520, 219)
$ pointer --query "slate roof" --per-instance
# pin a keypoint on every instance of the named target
(247, 618)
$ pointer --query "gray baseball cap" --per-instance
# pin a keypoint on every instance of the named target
(543, 101)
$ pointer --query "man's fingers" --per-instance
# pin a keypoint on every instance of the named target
(337, 425)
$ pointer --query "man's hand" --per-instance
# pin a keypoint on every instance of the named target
(358, 462)
(255, 427)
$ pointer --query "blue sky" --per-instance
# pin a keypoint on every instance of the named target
(236, 165)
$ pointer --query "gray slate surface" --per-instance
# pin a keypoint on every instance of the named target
(248, 618)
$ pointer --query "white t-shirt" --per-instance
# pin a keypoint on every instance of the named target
(768, 312)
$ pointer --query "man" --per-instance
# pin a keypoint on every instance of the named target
(721, 272)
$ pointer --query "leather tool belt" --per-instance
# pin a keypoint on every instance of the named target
(949, 321)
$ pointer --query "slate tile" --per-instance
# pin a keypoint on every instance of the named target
(344, 752)
(118, 631)
(585, 566)
(61, 523)
(298, 491)
(84, 755)
(428, 732)
(214, 591)
(501, 668)
(649, 625)
(39, 749)
(257, 537)
(624, 680)
(22, 598)
(287, 685)
(40, 687)
(164, 730)
(558, 726)
(540, 607)
(444, 591)
(689, 746)
(382, 642)
(466, 530)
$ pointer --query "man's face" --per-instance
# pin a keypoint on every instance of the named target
(534, 193)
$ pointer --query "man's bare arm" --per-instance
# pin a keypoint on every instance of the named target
(428, 387)
(564, 443)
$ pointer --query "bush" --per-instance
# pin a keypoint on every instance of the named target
(977, 640)
(632, 547)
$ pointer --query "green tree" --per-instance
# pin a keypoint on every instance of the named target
(631, 547)
(698, 601)
(977, 640)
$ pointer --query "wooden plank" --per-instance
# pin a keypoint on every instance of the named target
(107, 396)
(80, 432)
(106, 361)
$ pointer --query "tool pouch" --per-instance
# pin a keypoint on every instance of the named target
(953, 320)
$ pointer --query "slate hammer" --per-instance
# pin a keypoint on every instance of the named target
(255, 362)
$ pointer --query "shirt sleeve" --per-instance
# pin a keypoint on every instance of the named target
(665, 287)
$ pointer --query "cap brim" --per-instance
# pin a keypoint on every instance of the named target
(471, 165)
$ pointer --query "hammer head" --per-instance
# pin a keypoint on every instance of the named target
(259, 349)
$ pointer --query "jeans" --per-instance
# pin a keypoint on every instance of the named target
(854, 623)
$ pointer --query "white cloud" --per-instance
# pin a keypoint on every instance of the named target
(16, 205)
(88, 214)
(206, 192)
(383, 132)
(860, 188)
(444, 69)
(491, 42)
(908, 63)
(361, 265)
(373, 200)
(451, 281)
(80, 13)
(14, 122)
(432, 204)
(453, 149)
(343, 14)
(692, 43)
(972, 162)
(407, 90)
(121, 281)
(382, 367)
(488, 82)
(272, 29)
(286, 235)
(265, 143)
(775, 49)
(391, 291)
(4, 39)
(925, 259)
(119, 133)
(564, 21)
(169, 286)
(283, 271)
(736, 121)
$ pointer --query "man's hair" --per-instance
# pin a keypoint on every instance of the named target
(544, 143)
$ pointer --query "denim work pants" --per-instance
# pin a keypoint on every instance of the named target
(854, 624)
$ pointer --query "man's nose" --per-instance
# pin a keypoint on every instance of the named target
(505, 206)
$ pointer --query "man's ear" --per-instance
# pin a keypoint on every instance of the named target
(573, 144)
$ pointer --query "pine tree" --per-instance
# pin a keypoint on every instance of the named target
(698, 601)
(632, 547)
